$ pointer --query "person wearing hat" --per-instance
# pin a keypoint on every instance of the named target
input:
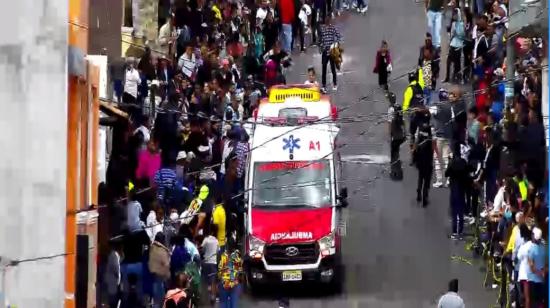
(233, 113)
(413, 103)
(202, 207)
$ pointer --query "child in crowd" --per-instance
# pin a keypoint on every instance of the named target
(311, 77)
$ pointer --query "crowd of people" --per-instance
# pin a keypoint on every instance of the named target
(176, 171)
(178, 174)
(488, 147)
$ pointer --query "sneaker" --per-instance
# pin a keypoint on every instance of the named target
(358, 10)
(438, 184)
(454, 236)
(324, 90)
(335, 88)
(365, 9)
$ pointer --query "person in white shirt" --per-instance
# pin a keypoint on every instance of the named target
(131, 83)
(134, 211)
(451, 299)
(210, 248)
(499, 203)
(262, 11)
(187, 63)
(113, 276)
(154, 221)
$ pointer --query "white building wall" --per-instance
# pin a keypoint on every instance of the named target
(33, 146)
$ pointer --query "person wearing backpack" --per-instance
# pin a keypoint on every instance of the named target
(457, 43)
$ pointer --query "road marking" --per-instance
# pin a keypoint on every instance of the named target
(366, 159)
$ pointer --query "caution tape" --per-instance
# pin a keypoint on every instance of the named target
(461, 259)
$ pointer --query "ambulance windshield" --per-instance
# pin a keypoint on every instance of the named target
(292, 184)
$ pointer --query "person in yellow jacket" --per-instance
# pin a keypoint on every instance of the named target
(413, 103)
(414, 93)
(219, 219)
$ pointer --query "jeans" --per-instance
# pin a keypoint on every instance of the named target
(158, 292)
(457, 208)
(441, 158)
(326, 59)
(286, 38)
(427, 96)
(424, 182)
(229, 298)
(479, 7)
(434, 27)
(129, 269)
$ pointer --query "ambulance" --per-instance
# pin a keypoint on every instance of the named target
(294, 203)
(296, 101)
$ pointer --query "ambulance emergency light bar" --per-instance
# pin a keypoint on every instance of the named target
(307, 93)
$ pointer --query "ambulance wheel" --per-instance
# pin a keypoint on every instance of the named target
(251, 287)
(336, 285)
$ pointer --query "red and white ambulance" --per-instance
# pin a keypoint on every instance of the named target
(294, 202)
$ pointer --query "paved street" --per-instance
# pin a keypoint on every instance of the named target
(396, 254)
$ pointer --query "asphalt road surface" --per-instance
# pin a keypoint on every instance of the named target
(396, 254)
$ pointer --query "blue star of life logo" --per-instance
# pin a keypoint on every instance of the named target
(290, 144)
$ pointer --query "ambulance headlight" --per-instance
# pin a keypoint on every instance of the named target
(255, 247)
(327, 245)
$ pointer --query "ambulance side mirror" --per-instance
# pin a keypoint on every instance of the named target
(343, 197)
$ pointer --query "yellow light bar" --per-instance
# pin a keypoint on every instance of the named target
(280, 94)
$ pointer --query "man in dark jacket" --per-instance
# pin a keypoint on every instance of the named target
(442, 116)
(458, 174)
(423, 158)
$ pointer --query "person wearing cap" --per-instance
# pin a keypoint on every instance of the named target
(538, 269)
(532, 268)
(413, 100)
(202, 207)
(233, 113)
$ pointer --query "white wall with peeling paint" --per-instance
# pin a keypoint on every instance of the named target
(33, 134)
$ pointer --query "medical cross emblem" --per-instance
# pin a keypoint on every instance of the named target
(290, 144)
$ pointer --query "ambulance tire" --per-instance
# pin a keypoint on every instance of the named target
(251, 287)
(336, 285)
(396, 171)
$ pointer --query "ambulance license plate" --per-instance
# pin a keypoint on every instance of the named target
(292, 275)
